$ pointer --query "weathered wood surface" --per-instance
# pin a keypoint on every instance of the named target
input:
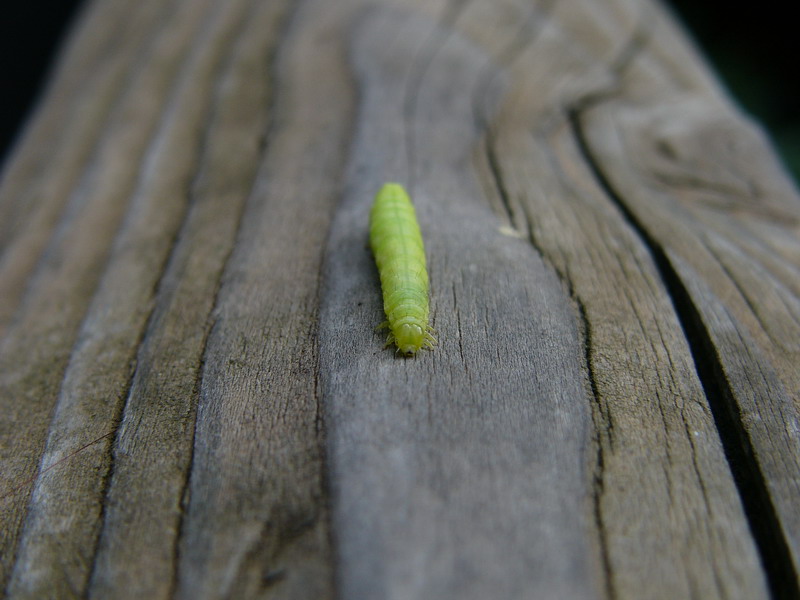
(194, 404)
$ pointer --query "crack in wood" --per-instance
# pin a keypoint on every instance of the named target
(760, 512)
(263, 149)
(601, 417)
(83, 347)
(603, 425)
(159, 283)
(638, 425)
(599, 410)
(524, 38)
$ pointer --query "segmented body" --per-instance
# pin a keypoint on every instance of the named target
(400, 255)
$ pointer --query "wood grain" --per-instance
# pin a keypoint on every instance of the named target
(60, 161)
(194, 404)
(135, 559)
(654, 429)
(724, 221)
(256, 522)
(441, 461)
(73, 110)
(38, 344)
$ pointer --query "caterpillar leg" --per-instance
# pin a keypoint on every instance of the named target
(389, 339)
(429, 340)
(384, 325)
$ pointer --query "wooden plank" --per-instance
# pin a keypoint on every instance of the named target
(85, 103)
(459, 473)
(137, 552)
(37, 346)
(256, 520)
(66, 510)
(713, 203)
(660, 469)
(193, 403)
(69, 116)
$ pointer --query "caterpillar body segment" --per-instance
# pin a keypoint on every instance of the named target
(396, 242)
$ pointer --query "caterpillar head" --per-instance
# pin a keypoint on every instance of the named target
(409, 338)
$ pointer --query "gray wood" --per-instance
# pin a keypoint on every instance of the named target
(99, 370)
(654, 431)
(83, 116)
(135, 559)
(38, 344)
(477, 449)
(194, 404)
(709, 192)
(74, 104)
(257, 521)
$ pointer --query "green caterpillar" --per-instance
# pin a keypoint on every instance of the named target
(400, 255)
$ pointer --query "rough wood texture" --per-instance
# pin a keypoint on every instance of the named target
(193, 403)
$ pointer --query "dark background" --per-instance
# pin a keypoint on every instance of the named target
(31, 32)
(754, 48)
(754, 51)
